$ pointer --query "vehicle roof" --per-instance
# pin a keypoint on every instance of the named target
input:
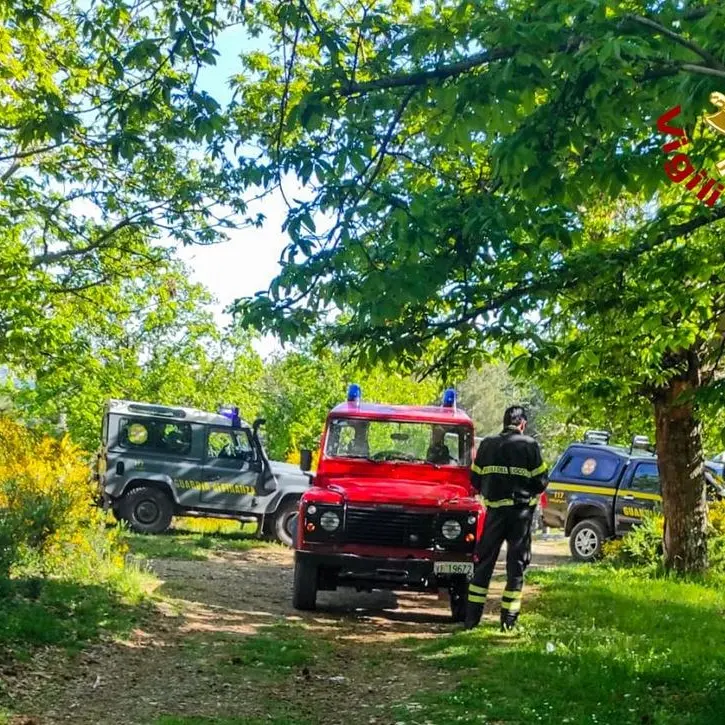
(621, 451)
(169, 412)
(413, 413)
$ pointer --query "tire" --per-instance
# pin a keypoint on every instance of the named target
(283, 528)
(304, 596)
(459, 599)
(147, 510)
(586, 539)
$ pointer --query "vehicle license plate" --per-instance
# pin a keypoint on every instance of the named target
(453, 567)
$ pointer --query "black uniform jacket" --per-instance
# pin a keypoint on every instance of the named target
(508, 469)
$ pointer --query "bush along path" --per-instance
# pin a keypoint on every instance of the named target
(224, 647)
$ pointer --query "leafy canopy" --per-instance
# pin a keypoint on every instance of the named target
(485, 174)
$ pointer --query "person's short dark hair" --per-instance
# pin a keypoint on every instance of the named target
(515, 415)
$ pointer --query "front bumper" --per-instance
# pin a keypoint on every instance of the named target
(377, 572)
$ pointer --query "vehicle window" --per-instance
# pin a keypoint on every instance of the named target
(646, 478)
(596, 467)
(383, 440)
(158, 436)
(229, 445)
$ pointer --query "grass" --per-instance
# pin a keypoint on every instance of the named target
(192, 539)
(269, 659)
(35, 612)
(597, 646)
(276, 651)
(281, 719)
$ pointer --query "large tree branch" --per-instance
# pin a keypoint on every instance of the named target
(442, 72)
(684, 42)
(32, 152)
(53, 257)
(703, 69)
(568, 276)
(403, 80)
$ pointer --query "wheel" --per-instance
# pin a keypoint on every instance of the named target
(585, 540)
(147, 510)
(459, 600)
(285, 528)
(304, 596)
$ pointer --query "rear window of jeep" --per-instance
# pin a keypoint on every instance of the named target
(598, 468)
(155, 436)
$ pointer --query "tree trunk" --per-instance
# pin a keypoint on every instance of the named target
(680, 460)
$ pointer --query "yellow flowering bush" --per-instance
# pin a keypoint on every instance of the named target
(641, 547)
(612, 549)
(716, 518)
(49, 523)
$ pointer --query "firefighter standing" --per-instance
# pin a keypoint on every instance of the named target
(510, 474)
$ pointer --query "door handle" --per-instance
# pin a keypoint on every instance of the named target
(629, 498)
(213, 478)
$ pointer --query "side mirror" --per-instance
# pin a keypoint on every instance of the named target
(306, 459)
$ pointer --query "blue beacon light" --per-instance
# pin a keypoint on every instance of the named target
(449, 398)
(231, 412)
(354, 394)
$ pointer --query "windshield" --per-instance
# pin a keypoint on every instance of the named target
(387, 440)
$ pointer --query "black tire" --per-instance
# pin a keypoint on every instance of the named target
(304, 595)
(586, 539)
(147, 510)
(459, 599)
(284, 531)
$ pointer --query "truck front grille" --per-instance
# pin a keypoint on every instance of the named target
(389, 528)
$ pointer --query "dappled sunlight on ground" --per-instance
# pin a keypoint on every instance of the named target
(209, 648)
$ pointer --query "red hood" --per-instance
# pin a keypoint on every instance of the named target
(399, 491)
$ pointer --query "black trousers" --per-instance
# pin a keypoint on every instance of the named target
(511, 524)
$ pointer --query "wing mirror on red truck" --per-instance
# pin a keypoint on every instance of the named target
(306, 459)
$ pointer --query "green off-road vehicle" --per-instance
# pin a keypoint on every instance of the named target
(158, 462)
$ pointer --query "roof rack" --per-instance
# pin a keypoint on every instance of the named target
(599, 437)
(157, 410)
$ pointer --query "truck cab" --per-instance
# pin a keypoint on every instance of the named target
(599, 491)
(391, 505)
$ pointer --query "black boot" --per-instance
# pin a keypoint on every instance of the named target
(474, 612)
(508, 621)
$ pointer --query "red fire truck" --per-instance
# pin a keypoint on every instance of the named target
(391, 505)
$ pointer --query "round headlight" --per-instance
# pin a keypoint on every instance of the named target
(471, 520)
(329, 521)
(451, 529)
(312, 510)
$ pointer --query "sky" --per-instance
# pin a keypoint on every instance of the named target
(249, 261)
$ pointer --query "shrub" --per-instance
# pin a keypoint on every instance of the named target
(640, 547)
(612, 549)
(716, 518)
(49, 524)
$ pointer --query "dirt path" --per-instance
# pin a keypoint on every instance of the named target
(212, 648)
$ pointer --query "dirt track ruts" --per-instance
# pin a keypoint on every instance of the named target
(174, 664)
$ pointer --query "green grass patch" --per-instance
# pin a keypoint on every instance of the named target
(189, 545)
(37, 612)
(275, 652)
(282, 719)
(598, 645)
